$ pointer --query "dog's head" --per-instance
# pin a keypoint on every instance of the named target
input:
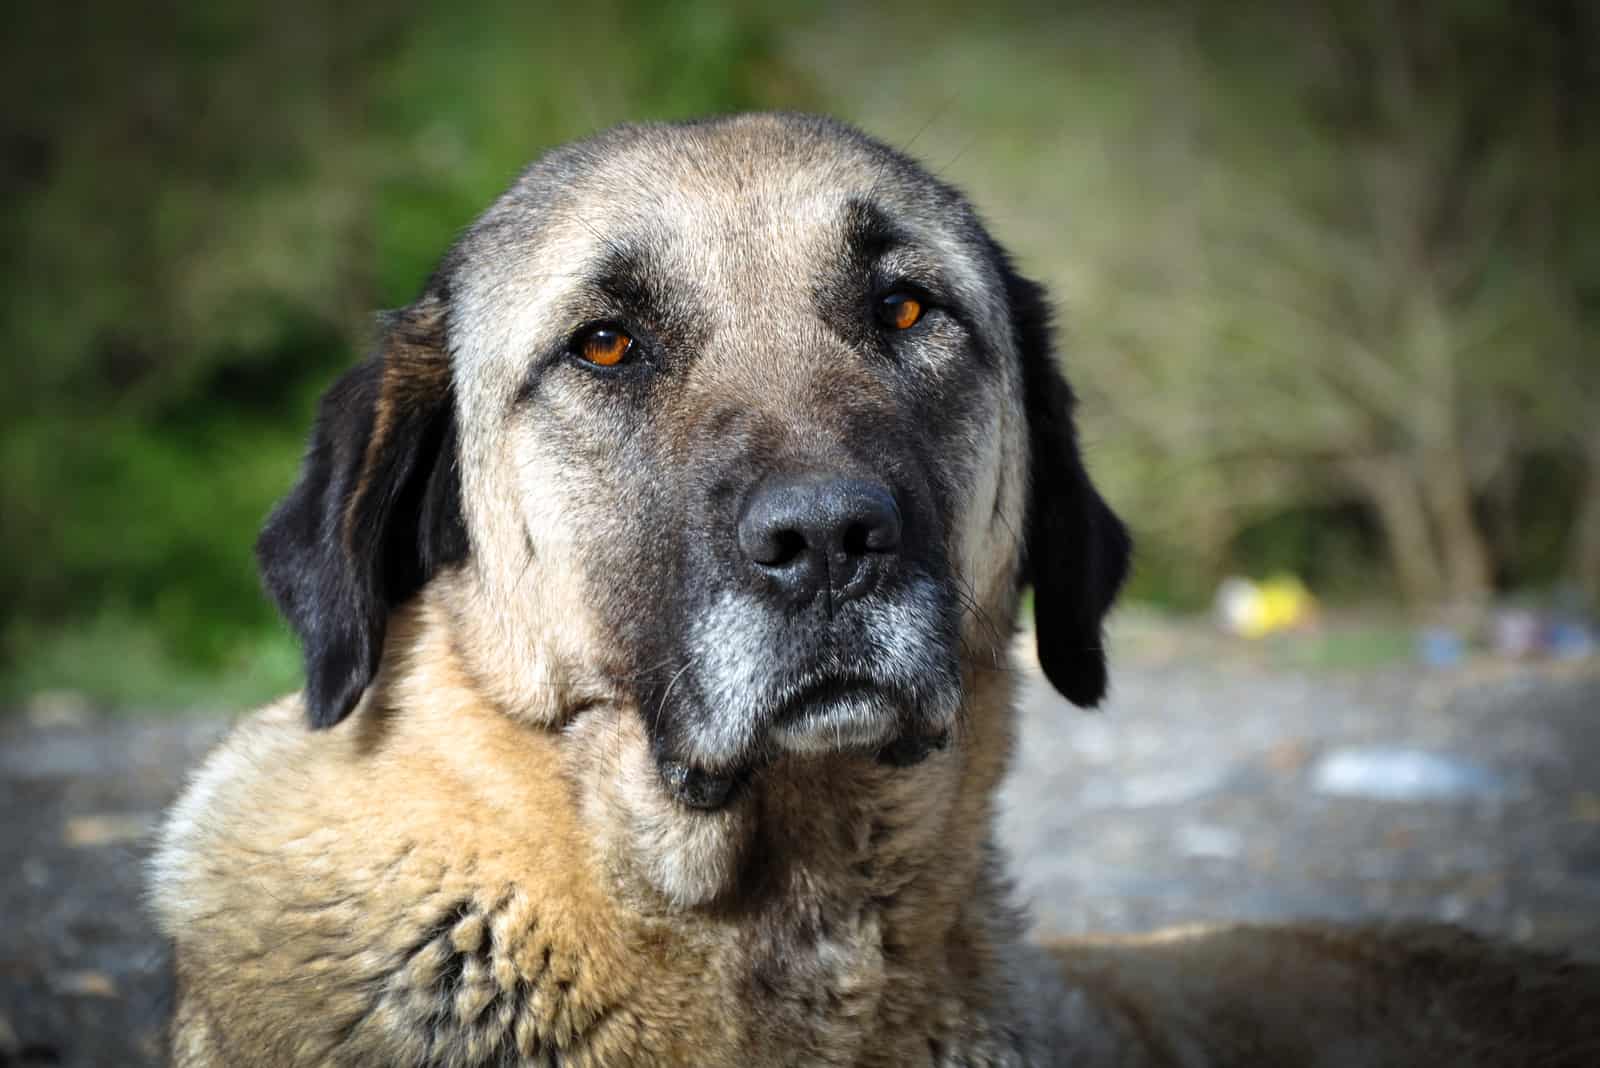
(747, 423)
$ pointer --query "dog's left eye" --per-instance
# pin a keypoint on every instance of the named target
(900, 311)
(603, 346)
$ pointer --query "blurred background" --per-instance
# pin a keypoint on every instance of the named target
(1330, 280)
(1330, 272)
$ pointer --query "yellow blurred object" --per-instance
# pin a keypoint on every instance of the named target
(1256, 609)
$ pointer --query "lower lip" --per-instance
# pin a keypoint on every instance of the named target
(857, 719)
(820, 698)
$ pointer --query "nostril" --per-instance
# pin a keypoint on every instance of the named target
(872, 523)
(771, 542)
(785, 546)
(871, 537)
(856, 538)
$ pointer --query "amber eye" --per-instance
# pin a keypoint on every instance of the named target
(900, 311)
(604, 347)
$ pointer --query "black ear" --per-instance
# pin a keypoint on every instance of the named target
(376, 512)
(1077, 548)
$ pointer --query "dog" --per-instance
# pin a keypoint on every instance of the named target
(656, 580)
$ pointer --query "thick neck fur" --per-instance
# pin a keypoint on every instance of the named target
(452, 886)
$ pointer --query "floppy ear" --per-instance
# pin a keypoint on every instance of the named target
(1077, 548)
(376, 512)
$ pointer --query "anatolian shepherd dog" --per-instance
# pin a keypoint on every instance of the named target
(656, 581)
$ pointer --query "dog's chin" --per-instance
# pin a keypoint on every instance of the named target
(826, 718)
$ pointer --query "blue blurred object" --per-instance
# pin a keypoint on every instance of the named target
(1397, 773)
(1521, 633)
(1571, 640)
(1441, 647)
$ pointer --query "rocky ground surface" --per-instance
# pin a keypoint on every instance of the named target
(1210, 787)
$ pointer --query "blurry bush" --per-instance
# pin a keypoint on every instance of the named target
(1333, 273)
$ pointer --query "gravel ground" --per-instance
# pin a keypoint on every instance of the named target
(1209, 788)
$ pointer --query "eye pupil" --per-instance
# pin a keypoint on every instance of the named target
(900, 311)
(605, 347)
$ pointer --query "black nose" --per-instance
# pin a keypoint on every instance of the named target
(817, 533)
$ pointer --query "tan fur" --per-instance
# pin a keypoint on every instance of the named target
(481, 866)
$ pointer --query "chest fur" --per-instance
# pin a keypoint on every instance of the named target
(487, 975)
(375, 896)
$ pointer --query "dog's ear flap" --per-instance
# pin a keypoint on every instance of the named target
(1077, 549)
(375, 513)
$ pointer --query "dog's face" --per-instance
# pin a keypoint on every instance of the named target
(746, 424)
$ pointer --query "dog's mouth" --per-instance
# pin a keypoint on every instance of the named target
(825, 715)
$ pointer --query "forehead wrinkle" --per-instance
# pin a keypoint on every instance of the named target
(807, 217)
(742, 254)
(733, 198)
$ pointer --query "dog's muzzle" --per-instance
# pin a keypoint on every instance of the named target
(832, 636)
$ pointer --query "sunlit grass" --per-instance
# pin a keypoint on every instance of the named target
(1364, 646)
(118, 663)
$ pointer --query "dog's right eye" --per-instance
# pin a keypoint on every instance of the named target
(604, 346)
